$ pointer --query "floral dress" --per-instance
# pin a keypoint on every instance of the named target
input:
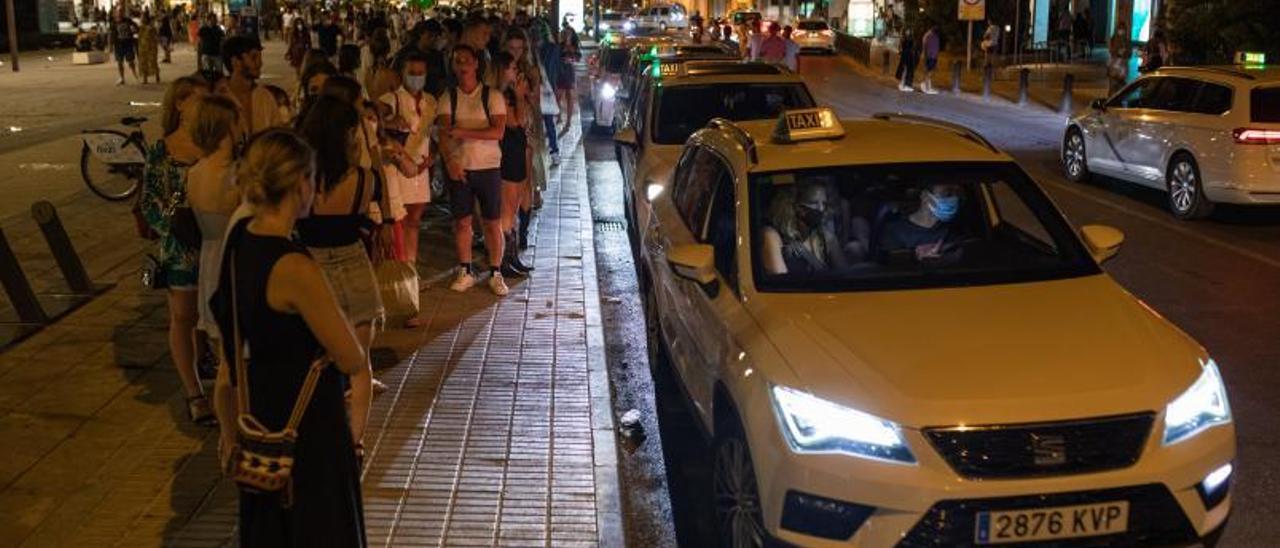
(164, 184)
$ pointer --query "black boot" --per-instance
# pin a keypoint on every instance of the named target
(524, 217)
(510, 257)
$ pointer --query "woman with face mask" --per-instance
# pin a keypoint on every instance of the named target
(800, 236)
(411, 112)
(926, 230)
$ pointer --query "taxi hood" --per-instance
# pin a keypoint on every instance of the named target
(1029, 352)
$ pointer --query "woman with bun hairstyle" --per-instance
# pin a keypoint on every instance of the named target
(288, 318)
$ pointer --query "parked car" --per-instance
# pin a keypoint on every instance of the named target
(1205, 135)
(661, 18)
(814, 35)
(867, 380)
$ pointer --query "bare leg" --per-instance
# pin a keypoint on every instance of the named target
(182, 340)
(493, 241)
(412, 225)
(512, 196)
(462, 239)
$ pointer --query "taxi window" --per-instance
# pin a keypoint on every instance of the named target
(692, 192)
(722, 229)
(907, 226)
(681, 110)
(1137, 95)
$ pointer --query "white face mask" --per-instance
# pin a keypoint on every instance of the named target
(415, 83)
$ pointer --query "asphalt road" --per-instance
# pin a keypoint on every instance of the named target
(1219, 280)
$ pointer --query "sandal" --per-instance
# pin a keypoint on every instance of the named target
(199, 411)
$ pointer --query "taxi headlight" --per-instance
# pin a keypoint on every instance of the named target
(1202, 406)
(628, 25)
(815, 425)
(607, 91)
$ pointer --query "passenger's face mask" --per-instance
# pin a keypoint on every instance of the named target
(812, 217)
(415, 83)
(944, 208)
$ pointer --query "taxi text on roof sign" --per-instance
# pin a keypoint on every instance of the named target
(807, 125)
(1251, 58)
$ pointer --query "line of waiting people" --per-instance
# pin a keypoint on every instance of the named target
(269, 214)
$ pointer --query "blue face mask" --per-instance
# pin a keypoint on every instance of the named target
(944, 208)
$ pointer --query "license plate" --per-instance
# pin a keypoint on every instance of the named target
(1063, 522)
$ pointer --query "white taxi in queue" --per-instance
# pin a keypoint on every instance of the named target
(893, 337)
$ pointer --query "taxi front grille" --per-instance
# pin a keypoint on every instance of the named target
(1043, 449)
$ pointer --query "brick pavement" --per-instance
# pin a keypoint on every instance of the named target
(497, 429)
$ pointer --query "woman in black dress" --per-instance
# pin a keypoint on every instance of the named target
(287, 318)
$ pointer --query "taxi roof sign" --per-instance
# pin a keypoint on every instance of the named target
(808, 124)
(1251, 58)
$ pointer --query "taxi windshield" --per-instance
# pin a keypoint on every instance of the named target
(685, 109)
(898, 226)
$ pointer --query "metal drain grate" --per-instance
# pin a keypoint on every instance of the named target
(609, 225)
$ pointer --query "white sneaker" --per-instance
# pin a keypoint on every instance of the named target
(379, 387)
(498, 285)
(904, 87)
(463, 282)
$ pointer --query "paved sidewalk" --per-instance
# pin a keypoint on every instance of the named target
(497, 429)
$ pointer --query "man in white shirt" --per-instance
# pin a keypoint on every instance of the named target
(411, 114)
(472, 121)
(259, 109)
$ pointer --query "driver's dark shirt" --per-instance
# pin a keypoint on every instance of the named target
(901, 233)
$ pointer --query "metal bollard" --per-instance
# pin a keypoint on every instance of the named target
(885, 59)
(1024, 83)
(60, 246)
(988, 72)
(17, 288)
(957, 72)
(1068, 86)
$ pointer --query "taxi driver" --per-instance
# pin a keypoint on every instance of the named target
(926, 230)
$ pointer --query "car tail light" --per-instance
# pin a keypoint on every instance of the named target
(799, 34)
(1253, 136)
(827, 33)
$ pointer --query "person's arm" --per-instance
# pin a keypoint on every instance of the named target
(451, 166)
(771, 252)
(300, 286)
(226, 408)
(497, 121)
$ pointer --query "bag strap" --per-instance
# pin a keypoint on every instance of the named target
(242, 381)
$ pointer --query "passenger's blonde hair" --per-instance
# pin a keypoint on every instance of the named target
(273, 165)
(215, 119)
(179, 90)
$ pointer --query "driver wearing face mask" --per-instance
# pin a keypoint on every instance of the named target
(927, 229)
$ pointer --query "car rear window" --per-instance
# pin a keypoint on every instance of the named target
(813, 25)
(1264, 105)
(1214, 99)
(685, 109)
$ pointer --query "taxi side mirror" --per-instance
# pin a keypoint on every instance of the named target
(626, 137)
(1103, 241)
(1098, 105)
(697, 263)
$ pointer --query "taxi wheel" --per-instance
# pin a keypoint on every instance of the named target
(1074, 158)
(1186, 193)
(739, 518)
(653, 334)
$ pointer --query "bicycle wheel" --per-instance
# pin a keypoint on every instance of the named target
(115, 181)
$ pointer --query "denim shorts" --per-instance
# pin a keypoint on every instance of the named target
(350, 275)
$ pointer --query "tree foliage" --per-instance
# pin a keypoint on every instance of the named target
(1211, 31)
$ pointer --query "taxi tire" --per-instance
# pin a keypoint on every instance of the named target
(733, 478)
(657, 348)
(1073, 144)
(1186, 189)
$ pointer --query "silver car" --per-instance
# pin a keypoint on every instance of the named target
(1205, 135)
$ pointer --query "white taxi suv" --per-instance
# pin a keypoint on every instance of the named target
(814, 35)
(678, 97)
(894, 338)
(1205, 135)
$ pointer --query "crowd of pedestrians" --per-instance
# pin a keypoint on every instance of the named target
(271, 210)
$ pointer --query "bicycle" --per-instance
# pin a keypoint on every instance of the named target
(111, 161)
